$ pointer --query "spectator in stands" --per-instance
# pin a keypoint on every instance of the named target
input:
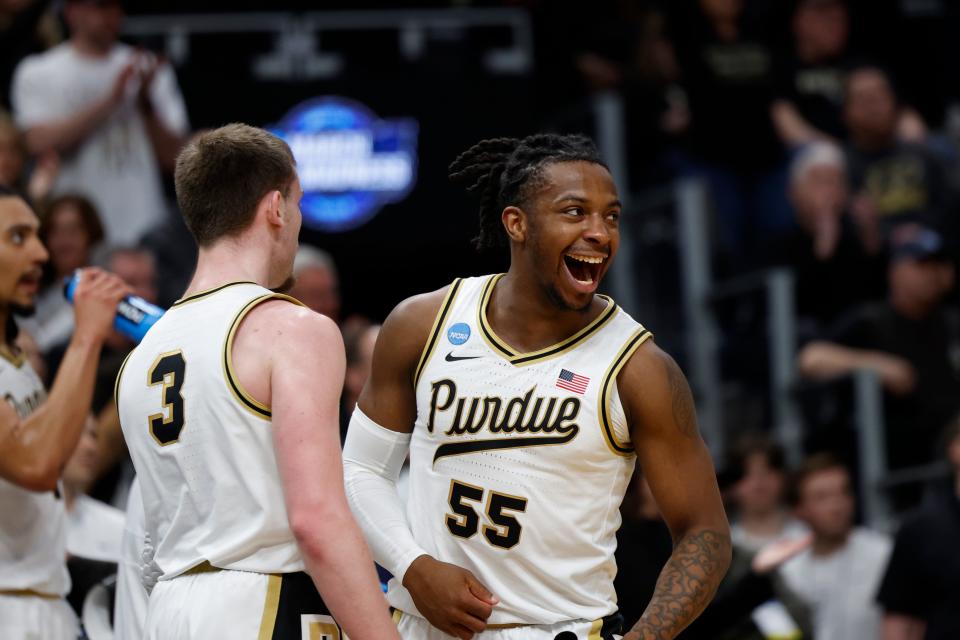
(759, 494)
(833, 271)
(94, 529)
(316, 283)
(114, 114)
(921, 589)
(70, 229)
(13, 154)
(26, 26)
(809, 100)
(13, 158)
(839, 574)
(726, 60)
(894, 179)
(910, 341)
(359, 347)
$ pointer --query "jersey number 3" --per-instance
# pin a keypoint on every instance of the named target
(505, 532)
(169, 370)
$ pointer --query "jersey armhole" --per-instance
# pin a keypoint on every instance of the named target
(246, 400)
(116, 383)
(608, 389)
(435, 330)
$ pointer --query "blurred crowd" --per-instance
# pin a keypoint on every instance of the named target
(815, 159)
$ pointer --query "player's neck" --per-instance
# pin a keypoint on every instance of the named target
(522, 313)
(227, 262)
(828, 545)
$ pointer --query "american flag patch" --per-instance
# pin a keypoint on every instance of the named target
(572, 381)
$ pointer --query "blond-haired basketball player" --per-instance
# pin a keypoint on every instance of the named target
(230, 408)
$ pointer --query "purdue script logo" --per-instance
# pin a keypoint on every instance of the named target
(549, 420)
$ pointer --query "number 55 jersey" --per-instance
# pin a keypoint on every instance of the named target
(519, 461)
(201, 445)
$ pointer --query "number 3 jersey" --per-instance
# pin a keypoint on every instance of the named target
(519, 461)
(201, 445)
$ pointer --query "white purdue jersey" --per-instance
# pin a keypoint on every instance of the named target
(33, 538)
(201, 445)
(519, 461)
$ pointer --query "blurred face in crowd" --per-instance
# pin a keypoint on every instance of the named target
(820, 28)
(137, 269)
(11, 155)
(760, 491)
(358, 371)
(21, 255)
(570, 232)
(81, 469)
(68, 239)
(317, 287)
(919, 285)
(953, 456)
(819, 195)
(722, 9)
(871, 108)
(95, 22)
(826, 504)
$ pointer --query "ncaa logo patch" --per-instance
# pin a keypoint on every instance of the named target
(458, 333)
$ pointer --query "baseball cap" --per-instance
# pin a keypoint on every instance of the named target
(917, 242)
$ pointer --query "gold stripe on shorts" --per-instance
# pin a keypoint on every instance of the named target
(595, 630)
(270, 606)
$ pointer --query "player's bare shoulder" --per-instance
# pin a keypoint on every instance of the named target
(652, 384)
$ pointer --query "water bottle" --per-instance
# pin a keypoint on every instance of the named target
(134, 316)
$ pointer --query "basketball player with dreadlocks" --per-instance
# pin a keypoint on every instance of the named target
(524, 399)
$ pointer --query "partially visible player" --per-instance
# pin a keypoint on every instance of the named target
(229, 406)
(529, 397)
(38, 432)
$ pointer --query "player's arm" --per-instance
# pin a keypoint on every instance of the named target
(304, 357)
(449, 597)
(663, 428)
(33, 450)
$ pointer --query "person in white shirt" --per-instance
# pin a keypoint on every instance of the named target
(114, 114)
(840, 573)
(762, 515)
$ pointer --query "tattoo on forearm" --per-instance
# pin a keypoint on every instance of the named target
(686, 585)
(683, 412)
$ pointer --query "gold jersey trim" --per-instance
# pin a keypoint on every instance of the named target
(606, 386)
(247, 401)
(520, 359)
(437, 329)
(16, 359)
(206, 292)
(271, 604)
(29, 593)
(116, 383)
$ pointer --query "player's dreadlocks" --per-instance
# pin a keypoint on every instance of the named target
(501, 172)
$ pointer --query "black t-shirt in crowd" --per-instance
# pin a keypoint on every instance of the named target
(816, 91)
(906, 183)
(932, 346)
(923, 577)
(827, 288)
(729, 87)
